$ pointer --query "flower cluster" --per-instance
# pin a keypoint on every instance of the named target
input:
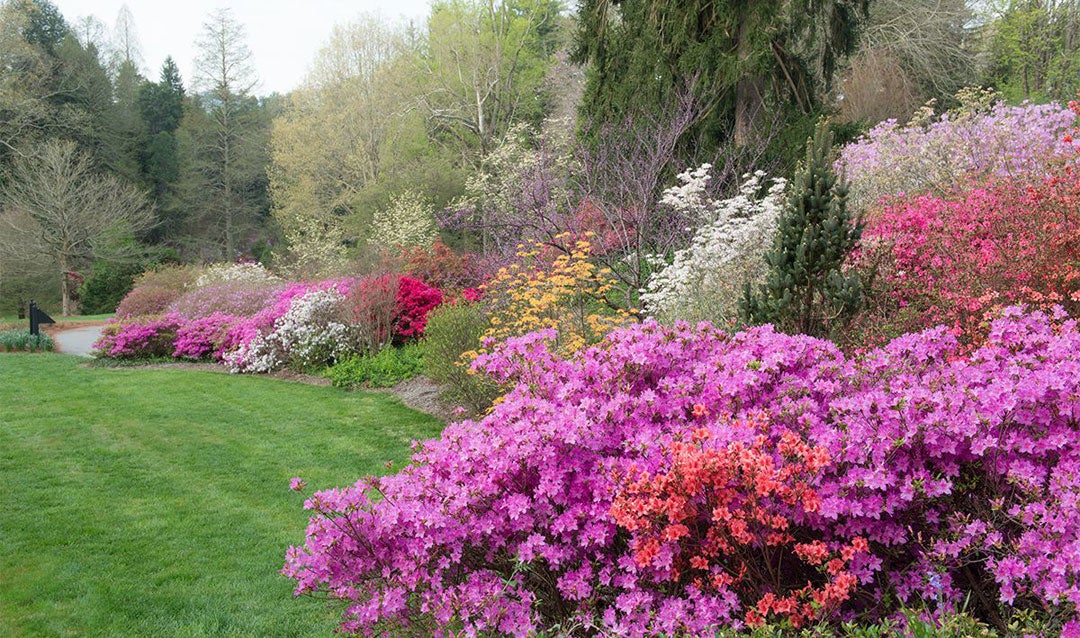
(724, 521)
(250, 273)
(706, 279)
(933, 154)
(916, 459)
(565, 292)
(253, 322)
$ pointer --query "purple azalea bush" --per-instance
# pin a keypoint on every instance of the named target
(962, 471)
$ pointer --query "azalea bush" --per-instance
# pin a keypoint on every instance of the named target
(237, 297)
(930, 475)
(706, 280)
(981, 139)
(142, 337)
(550, 289)
(953, 259)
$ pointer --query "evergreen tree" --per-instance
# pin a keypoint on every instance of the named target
(806, 290)
(745, 59)
(161, 107)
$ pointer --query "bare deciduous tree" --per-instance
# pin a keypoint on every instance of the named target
(57, 207)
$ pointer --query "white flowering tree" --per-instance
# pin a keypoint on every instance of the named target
(408, 221)
(705, 280)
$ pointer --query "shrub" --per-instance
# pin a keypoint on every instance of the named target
(23, 341)
(565, 292)
(453, 330)
(384, 369)
(962, 472)
(952, 260)
(705, 281)
(237, 297)
(371, 308)
(144, 337)
(310, 334)
(250, 273)
(146, 300)
(934, 154)
(106, 286)
(441, 267)
(415, 300)
(204, 337)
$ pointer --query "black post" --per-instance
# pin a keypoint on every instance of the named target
(37, 317)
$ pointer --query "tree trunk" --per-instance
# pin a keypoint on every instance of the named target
(65, 295)
(748, 89)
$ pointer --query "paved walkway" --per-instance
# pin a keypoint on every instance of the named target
(79, 341)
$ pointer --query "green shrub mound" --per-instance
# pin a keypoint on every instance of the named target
(384, 369)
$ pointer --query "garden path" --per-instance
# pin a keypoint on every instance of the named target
(78, 341)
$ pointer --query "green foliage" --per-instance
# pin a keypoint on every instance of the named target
(1035, 50)
(22, 340)
(106, 285)
(742, 60)
(384, 369)
(452, 330)
(807, 290)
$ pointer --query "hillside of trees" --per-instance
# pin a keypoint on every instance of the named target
(487, 123)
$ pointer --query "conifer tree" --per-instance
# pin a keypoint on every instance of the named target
(806, 290)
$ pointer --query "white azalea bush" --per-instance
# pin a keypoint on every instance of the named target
(309, 334)
(706, 280)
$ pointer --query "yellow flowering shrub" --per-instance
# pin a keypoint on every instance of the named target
(566, 293)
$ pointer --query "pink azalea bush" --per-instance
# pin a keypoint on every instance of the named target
(961, 472)
(240, 298)
(205, 337)
(952, 259)
(152, 336)
(933, 154)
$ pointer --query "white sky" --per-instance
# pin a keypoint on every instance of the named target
(283, 35)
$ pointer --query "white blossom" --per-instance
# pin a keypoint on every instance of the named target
(706, 280)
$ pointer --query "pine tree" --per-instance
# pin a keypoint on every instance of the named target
(806, 290)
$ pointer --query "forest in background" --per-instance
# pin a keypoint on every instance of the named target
(487, 124)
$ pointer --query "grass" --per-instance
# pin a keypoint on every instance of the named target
(156, 503)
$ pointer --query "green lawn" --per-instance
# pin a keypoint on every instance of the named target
(155, 502)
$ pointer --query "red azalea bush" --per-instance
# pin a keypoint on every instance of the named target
(415, 300)
(371, 308)
(960, 471)
(441, 267)
(729, 520)
(951, 260)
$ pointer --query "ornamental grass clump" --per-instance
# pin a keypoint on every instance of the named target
(915, 475)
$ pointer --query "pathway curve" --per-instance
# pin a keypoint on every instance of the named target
(78, 341)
